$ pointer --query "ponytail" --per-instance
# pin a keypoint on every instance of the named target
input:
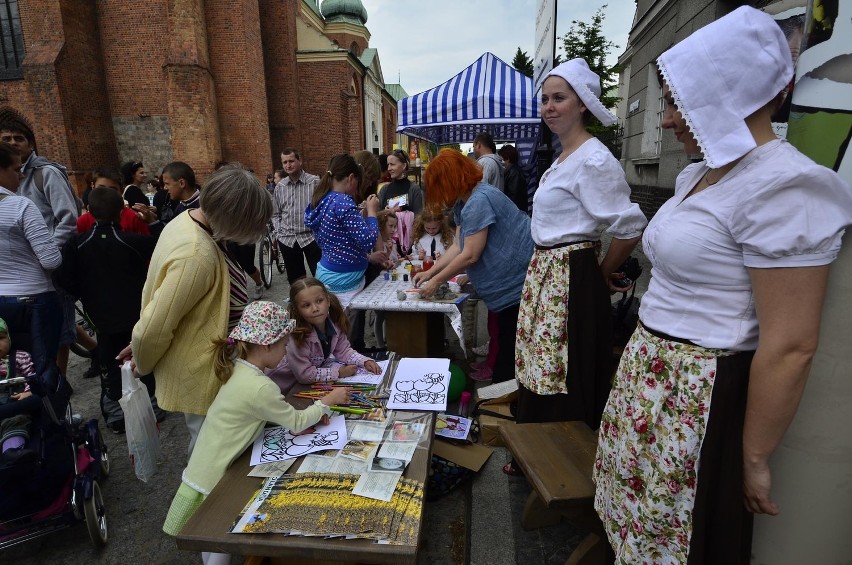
(224, 353)
(340, 167)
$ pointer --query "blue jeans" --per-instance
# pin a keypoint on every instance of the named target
(34, 323)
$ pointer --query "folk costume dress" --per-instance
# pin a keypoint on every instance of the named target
(564, 328)
(669, 466)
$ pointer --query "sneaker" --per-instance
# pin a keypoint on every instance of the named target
(481, 350)
(116, 427)
(258, 292)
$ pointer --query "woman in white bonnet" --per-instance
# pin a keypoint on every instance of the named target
(564, 338)
(712, 377)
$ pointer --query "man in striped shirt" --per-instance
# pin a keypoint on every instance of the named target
(292, 195)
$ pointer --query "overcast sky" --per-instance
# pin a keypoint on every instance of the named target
(423, 43)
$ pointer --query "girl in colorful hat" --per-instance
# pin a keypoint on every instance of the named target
(244, 404)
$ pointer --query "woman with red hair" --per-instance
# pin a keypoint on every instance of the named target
(493, 245)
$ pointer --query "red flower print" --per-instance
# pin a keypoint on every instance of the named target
(689, 464)
(657, 365)
(635, 483)
(673, 486)
(623, 532)
(641, 425)
(651, 383)
(637, 527)
(643, 351)
(652, 439)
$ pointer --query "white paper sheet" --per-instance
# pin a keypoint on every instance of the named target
(379, 486)
(271, 469)
(420, 384)
(279, 443)
(366, 431)
(316, 464)
(362, 376)
(396, 450)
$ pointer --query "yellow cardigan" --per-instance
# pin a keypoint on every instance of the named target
(184, 310)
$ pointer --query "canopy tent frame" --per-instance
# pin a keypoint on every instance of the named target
(487, 96)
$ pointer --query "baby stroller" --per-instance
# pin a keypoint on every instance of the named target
(59, 488)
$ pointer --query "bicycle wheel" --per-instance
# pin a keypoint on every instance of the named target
(264, 258)
(278, 262)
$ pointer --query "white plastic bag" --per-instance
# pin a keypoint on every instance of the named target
(143, 435)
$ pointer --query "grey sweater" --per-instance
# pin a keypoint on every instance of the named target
(57, 203)
(492, 170)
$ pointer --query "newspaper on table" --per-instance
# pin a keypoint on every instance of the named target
(322, 504)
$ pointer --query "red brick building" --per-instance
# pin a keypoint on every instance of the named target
(101, 82)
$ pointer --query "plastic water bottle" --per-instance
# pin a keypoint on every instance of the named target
(464, 404)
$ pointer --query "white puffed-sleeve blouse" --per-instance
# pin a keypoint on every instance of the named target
(585, 190)
(775, 208)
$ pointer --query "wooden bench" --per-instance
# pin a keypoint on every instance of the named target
(557, 459)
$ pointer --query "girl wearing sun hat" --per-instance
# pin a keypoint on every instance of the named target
(244, 404)
(712, 376)
(563, 360)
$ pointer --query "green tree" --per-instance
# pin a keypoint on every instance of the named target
(587, 41)
(523, 63)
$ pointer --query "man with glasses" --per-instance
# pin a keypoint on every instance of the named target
(290, 198)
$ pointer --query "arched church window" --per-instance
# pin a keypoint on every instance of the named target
(11, 40)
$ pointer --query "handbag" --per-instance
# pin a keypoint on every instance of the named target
(143, 434)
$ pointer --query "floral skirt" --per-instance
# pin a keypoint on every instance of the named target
(664, 470)
(564, 337)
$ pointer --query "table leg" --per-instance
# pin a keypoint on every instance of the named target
(415, 334)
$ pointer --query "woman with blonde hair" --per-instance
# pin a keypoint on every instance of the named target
(196, 292)
(492, 245)
(713, 375)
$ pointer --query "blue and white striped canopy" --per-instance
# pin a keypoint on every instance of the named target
(489, 95)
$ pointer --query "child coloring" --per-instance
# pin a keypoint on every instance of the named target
(244, 404)
(387, 241)
(320, 332)
(432, 235)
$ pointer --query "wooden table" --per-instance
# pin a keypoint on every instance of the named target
(207, 530)
(414, 327)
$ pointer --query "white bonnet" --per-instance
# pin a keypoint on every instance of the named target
(587, 84)
(723, 73)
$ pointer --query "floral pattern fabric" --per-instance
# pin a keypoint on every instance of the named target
(649, 446)
(542, 343)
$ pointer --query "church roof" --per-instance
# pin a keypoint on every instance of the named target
(396, 90)
(368, 55)
(351, 11)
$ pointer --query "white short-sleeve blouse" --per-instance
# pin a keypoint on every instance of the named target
(775, 208)
(585, 190)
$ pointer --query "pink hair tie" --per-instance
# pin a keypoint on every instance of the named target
(230, 341)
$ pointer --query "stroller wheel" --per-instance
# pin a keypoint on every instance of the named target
(96, 516)
(104, 462)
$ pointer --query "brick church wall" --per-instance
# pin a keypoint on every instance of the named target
(236, 61)
(278, 30)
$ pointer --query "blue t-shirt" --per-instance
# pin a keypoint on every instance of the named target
(499, 273)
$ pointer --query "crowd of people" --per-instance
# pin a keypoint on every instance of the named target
(703, 392)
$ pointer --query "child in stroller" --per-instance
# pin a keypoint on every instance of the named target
(44, 485)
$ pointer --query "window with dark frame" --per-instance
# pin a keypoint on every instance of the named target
(11, 41)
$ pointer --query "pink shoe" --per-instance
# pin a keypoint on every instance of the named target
(483, 374)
